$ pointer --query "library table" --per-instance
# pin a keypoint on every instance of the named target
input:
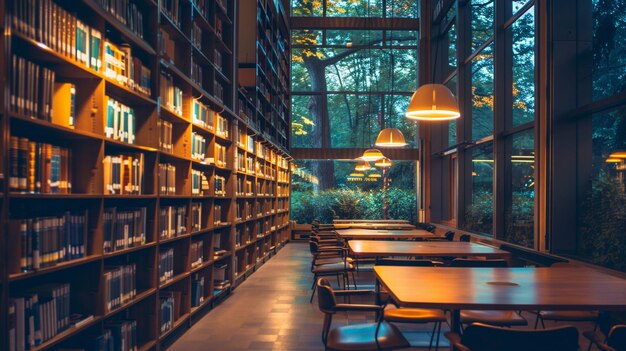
(384, 234)
(375, 225)
(386, 221)
(545, 288)
(373, 248)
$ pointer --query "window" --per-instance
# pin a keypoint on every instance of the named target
(479, 212)
(523, 62)
(482, 13)
(452, 140)
(482, 93)
(609, 48)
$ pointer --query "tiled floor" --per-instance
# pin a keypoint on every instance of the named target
(271, 311)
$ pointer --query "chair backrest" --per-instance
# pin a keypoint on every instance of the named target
(468, 262)
(412, 263)
(482, 337)
(465, 237)
(617, 337)
(325, 296)
(449, 235)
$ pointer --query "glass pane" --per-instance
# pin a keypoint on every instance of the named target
(305, 126)
(517, 5)
(482, 94)
(351, 8)
(609, 48)
(306, 37)
(354, 119)
(520, 189)
(402, 38)
(601, 235)
(325, 190)
(354, 37)
(482, 12)
(300, 79)
(451, 84)
(402, 8)
(306, 8)
(452, 47)
(394, 109)
(479, 212)
(523, 89)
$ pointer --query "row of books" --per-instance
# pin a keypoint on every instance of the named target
(123, 174)
(202, 115)
(165, 135)
(240, 161)
(167, 46)
(220, 155)
(199, 183)
(217, 214)
(196, 35)
(217, 60)
(126, 70)
(172, 9)
(244, 187)
(58, 29)
(198, 147)
(124, 229)
(166, 265)
(39, 167)
(170, 309)
(167, 179)
(120, 285)
(196, 252)
(219, 185)
(172, 221)
(118, 335)
(197, 290)
(171, 95)
(196, 216)
(218, 91)
(197, 73)
(32, 89)
(38, 316)
(47, 241)
(120, 121)
(221, 128)
(127, 12)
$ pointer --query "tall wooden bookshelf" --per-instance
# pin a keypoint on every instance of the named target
(133, 157)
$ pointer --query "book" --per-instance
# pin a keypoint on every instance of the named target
(119, 122)
(123, 174)
(124, 228)
(39, 167)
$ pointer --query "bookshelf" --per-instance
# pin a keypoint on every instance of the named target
(125, 209)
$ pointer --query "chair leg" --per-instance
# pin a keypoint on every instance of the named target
(314, 288)
(537, 320)
(438, 336)
(432, 337)
(338, 283)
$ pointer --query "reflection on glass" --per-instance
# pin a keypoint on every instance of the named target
(482, 93)
(402, 8)
(482, 12)
(349, 8)
(300, 79)
(517, 5)
(451, 84)
(354, 37)
(523, 89)
(306, 8)
(520, 189)
(326, 190)
(601, 235)
(305, 126)
(479, 212)
(609, 48)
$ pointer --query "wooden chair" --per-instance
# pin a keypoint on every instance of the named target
(482, 337)
(414, 315)
(494, 317)
(330, 262)
(373, 336)
(615, 339)
(465, 237)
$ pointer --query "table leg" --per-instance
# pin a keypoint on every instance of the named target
(455, 321)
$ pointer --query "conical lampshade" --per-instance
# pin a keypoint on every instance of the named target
(357, 174)
(383, 163)
(362, 166)
(372, 155)
(374, 175)
(390, 137)
(613, 160)
(618, 154)
(433, 102)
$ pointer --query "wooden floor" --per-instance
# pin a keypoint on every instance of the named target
(271, 311)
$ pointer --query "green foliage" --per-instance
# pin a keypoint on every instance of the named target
(351, 204)
(479, 215)
(602, 233)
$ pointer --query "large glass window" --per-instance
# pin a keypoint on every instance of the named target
(365, 196)
(483, 93)
(520, 189)
(482, 13)
(609, 48)
(479, 212)
(523, 62)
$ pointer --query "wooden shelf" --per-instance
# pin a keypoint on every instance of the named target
(55, 268)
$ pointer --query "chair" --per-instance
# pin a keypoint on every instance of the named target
(615, 339)
(449, 235)
(465, 237)
(425, 226)
(497, 318)
(481, 337)
(329, 262)
(372, 336)
(414, 315)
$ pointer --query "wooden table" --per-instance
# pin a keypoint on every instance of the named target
(561, 288)
(385, 234)
(372, 248)
(377, 225)
(401, 221)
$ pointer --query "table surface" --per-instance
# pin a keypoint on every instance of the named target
(424, 248)
(385, 234)
(360, 221)
(545, 288)
(398, 226)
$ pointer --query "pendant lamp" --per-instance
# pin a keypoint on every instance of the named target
(374, 175)
(433, 102)
(383, 163)
(390, 137)
(618, 154)
(372, 155)
(357, 174)
(362, 166)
